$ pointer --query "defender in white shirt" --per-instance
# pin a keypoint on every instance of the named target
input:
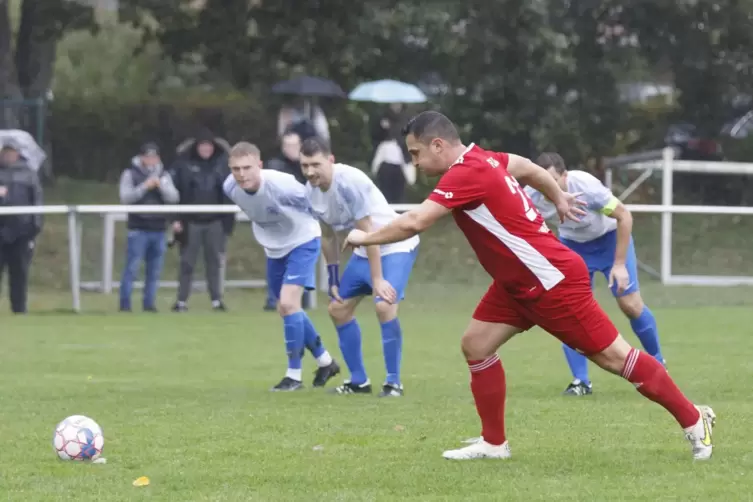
(283, 223)
(603, 239)
(344, 198)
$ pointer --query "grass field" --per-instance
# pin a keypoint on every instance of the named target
(183, 399)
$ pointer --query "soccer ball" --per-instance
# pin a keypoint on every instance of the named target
(78, 438)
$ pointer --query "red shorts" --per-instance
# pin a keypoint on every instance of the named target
(568, 311)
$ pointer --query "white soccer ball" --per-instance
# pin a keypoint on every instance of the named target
(78, 438)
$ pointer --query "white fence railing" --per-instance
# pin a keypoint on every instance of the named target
(107, 283)
(114, 213)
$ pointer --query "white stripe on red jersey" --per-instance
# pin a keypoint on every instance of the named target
(531, 258)
(509, 236)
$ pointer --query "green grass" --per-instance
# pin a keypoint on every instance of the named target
(183, 399)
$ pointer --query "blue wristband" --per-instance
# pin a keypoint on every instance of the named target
(333, 275)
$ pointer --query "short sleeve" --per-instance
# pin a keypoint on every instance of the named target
(285, 191)
(596, 196)
(458, 187)
(355, 192)
(503, 158)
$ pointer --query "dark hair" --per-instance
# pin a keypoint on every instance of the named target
(429, 125)
(552, 159)
(314, 145)
(290, 132)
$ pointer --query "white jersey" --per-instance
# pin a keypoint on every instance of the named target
(351, 197)
(591, 226)
(280, 213)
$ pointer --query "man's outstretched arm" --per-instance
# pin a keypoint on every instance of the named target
(407, 224)
(525, 171)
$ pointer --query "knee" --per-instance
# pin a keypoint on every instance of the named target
(285, 308)
(340, 313)
(631, 305)
(384, 311)
(474, 346)
(131, 267)
(290, 301)
(613, 357)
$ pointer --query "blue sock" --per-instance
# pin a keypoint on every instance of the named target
(293, 325)
(392, 345)
(349, 335)
(644, 327)
(311, 337)
(578, 364)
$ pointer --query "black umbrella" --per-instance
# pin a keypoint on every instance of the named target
(309, 86)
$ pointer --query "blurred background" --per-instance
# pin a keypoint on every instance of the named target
(92, 80)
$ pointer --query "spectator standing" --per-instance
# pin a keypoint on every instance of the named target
(388, 125)
(392, 174)
(307, 120)
(199, 173)
(19, 186)
(145, 182)
(288, 160)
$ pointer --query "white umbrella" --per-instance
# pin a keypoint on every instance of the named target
(28, 148)
(387, 91)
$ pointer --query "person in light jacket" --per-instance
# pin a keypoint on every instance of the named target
(145, 182)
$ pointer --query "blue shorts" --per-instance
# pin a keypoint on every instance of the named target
(297, 267)
(599, 257)
(396, 269)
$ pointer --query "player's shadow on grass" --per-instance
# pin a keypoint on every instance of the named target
(70, 311)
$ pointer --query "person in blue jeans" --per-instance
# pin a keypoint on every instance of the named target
(145, 182)
(603, 238)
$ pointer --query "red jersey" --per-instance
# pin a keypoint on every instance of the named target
(509, 236)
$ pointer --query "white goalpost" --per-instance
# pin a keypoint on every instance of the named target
(666, 165)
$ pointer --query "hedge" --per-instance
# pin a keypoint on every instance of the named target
(95, 139)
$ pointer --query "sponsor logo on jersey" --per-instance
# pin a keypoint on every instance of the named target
(446, 195)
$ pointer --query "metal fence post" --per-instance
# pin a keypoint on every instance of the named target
(74, 257)
(108, 251)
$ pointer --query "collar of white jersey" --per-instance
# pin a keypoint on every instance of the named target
(459, 160)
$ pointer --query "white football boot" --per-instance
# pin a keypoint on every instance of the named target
(699, 435)
(479, 449)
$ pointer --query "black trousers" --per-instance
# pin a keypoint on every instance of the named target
(16, 257)
(391, 182)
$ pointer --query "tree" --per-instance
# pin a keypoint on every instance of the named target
(26, 59)
(252, 44)
(706, 45)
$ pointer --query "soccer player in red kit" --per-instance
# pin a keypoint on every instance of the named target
(536, 279)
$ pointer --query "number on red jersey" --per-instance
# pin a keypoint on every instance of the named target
(514, 187)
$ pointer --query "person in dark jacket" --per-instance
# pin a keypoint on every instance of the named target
(19, 186)
(288, 160)
(199, 174)
(145, 182)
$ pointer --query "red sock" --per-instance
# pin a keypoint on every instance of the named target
(652, 380)
(488, 387)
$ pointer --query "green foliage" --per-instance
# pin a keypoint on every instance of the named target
(109, 63)
(515, 75)
(95, 136)
(708, 47)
